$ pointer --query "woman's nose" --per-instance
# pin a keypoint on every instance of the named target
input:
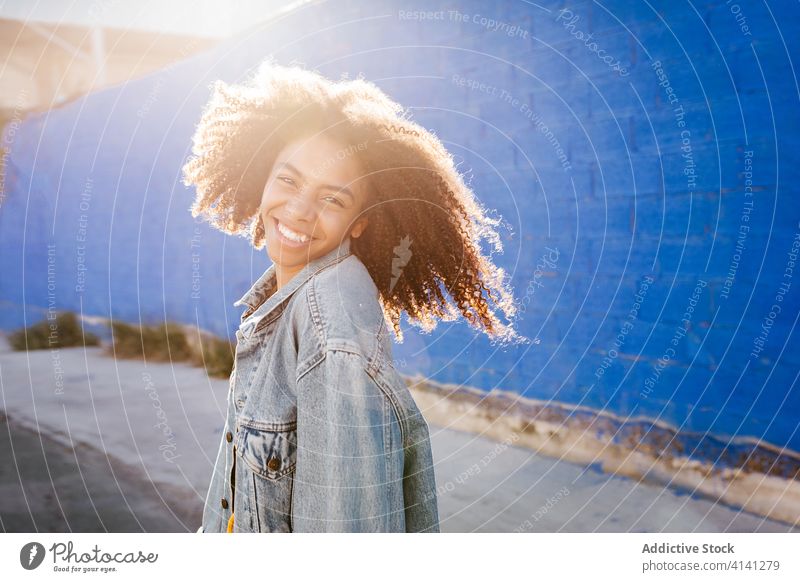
(300, 208)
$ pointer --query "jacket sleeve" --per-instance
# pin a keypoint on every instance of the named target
(348, 454)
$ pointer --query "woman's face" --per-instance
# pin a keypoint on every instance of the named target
(311, 202)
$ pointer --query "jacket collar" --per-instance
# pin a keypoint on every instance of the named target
(266, 283)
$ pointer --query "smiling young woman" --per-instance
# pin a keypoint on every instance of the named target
(364, 217)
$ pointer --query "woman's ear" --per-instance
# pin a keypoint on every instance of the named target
(359, 227)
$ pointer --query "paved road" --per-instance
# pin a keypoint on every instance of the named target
(107, 410)
(80, 490)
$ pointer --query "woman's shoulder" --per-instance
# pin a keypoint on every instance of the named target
(341, 305)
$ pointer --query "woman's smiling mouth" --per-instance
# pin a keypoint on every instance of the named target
(288, 236)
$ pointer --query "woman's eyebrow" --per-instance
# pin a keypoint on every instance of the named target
(341, 189)
(291, 168)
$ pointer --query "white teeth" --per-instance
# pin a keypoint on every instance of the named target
(292, 235)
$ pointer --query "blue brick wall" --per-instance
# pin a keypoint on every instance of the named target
(617, 205)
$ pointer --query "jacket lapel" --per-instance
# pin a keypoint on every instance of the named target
(265, 286)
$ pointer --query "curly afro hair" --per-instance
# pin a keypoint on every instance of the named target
(425, 224)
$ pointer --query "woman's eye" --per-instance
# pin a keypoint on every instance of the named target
(336, 200)
(286, 179)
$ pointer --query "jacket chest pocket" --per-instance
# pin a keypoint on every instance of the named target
(268, 457)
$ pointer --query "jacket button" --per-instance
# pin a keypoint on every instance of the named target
(229, 437)
(274, 463)
(224, 503)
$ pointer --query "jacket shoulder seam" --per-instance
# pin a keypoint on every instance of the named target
(314, 311)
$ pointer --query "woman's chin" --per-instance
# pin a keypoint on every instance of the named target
(289, 255)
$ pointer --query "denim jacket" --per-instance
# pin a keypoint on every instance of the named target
(321, 432)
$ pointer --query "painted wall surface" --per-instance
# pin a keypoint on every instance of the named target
(644, 159)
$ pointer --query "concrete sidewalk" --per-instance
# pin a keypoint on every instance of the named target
(130, 447)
